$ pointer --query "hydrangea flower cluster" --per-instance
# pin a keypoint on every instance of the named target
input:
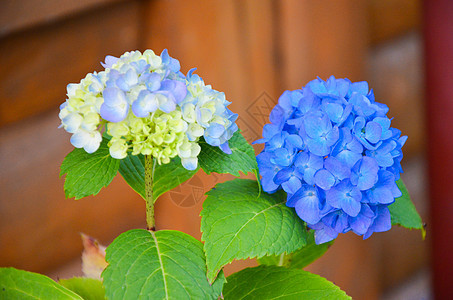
(331, 148)
(148, 107)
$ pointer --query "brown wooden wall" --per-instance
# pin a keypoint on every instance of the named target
(252, 50)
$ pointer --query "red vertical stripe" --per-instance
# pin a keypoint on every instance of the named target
(438, 34)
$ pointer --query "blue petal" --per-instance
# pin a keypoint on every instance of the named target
(383, 220)
(323, 236)
(165, 57)
(131, 77)
(380, 195)
(292, 185)
(190, 163)
(365, 173)
(296, 96)
(153, 82)
(342, 86)
(337, 220)
(307, 209)
(323, 233)
(269, 130)
(337, 168)
(308, 101)
(285, 101)
(385, 160)
(324, 179)
(348, 158)
(295, 140)
(113, 113)
(225, 148)
(359, 123)
(282, 157)
(283, 175)
(332, 136)
(166, 100)
(174, 65)
(78, 140)
(317, 87)
(346, 197)
(189, 74)
(114, 96)
(306, 202)
(350, 206)
(109, 61)
(381, 223)
(211, 141)
(177, 88)
(373, 132)
(145, 103)
(268, 184)
(360, 87)
(362, 222)
(318, 147)
(215, 130)
(277, 115)
(316, 125)
(334, 111)
(122, 84)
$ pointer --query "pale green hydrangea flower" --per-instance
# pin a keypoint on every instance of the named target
(149, 107)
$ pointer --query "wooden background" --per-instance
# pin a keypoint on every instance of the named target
(252, 50)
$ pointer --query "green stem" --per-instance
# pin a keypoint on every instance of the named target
(284, 260)
(281, 260)
(150, 222)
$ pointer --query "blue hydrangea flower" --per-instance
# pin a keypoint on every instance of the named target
(149, 107)
(330, 147)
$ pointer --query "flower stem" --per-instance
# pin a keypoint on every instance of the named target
(284, 260)
(150, 222)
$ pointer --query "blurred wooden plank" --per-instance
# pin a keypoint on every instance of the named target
(21, 14)
(438, 58)
(39, 228)
(395, 72)
(207, 37)
(322, 38)
(403, 252)
(392, 18)
(260, 36)
(38, 64)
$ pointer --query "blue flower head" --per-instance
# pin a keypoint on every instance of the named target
(330, 147)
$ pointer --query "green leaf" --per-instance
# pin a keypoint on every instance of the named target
(403, 211)
(240, 222)
(87, 173)
(242, 159)
(300, 258)
(132, 168)
(165, 264)
(169, 176)
(272, 282)
(18, 284)
(87, 288)
(166, 176)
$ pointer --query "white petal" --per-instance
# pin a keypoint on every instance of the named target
(188, 112)
(118, 150)
(72, 122)
(94, 140)
(80, 138)
(190, 163)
